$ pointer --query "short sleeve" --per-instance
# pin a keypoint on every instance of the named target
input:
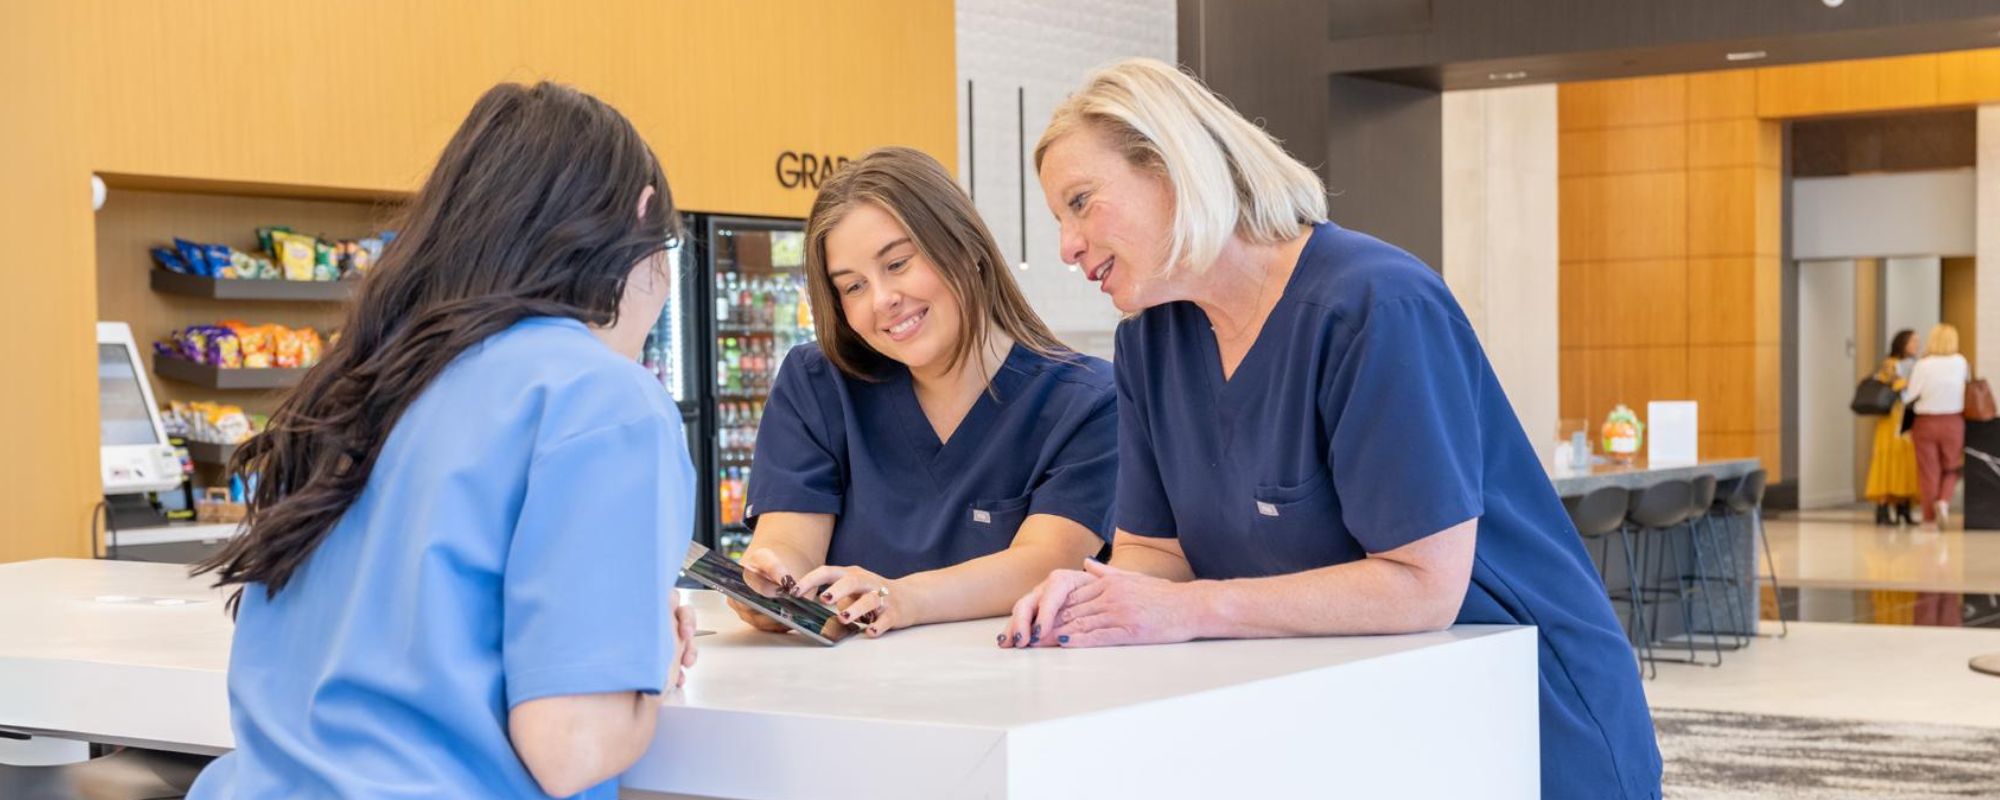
(796, 468)
(1080, 479)
(1142, 507)
(1404, 404)
(602, 530)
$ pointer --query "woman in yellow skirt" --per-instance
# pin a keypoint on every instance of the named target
(1892, 473)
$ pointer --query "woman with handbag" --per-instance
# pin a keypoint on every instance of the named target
(1892, 472)
(1936, 395)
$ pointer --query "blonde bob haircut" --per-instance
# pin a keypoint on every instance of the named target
(1943, 341)
(1227, 175)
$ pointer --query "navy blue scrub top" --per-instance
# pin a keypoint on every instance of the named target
(1364, 417)
(1043, 441)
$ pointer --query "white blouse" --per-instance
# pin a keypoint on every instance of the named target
(1937, 385)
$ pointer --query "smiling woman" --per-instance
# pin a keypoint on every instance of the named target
(1312, 441)
(878, 486)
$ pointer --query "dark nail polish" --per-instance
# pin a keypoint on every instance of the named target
(826, 596)
(1037, 633)
(843, 616)
(1063, 639)
(1017, 638)
(1001, 639)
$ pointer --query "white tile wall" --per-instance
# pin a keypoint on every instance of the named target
(1033, 53)
(1500, 238)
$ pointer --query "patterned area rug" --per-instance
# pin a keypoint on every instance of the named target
(1712, 754)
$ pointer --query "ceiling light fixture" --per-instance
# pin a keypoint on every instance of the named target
(1747, 55)
(1513, 75)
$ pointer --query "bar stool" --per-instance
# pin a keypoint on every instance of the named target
(1597, 517)
(1714, 535)
(1707, 570)
(1656, 511)
(1745, 501)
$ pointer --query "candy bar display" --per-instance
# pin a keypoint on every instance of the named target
(233, 344)
(286, 256)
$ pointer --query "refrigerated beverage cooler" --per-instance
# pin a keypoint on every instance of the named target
(736, 306)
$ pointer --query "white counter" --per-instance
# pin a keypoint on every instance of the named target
(935, 712)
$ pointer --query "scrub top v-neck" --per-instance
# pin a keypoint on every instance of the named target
(1364, 417)
(1042, 441)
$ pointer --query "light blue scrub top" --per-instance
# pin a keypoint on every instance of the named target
(517, 539)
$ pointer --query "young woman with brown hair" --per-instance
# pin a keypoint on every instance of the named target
(938, 451)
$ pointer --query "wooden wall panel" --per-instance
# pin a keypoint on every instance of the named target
(1723, 379)
(1607, 151)
(1641, 215)
(1723, 95)
(1621, 103)
(1630, 303)
(1847, 87)
(1633, 376)
(1960, 297)
(1722, 211)
(1869, 344)
(719, 89)
(1722, 300)
(1729, 143)
(50, 472)
(1769, 288)
(1968, 77)
(1719, 444)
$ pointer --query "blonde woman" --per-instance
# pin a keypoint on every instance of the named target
(938, 451)
(1311, 441)
(1892, 471)
(1936, 394)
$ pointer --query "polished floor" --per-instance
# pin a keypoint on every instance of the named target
(1831, 670)
(1844, 549)
(1861, 654)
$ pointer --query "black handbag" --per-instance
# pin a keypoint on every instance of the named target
(1873, 398)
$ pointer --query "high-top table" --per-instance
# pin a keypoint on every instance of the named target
(136, 653)
(1578, 482)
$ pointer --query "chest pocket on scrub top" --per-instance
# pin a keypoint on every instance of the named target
(999, 518)
(1298, 523)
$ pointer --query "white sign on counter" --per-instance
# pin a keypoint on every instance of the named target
(1672, 433)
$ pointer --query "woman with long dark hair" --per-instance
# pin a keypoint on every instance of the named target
(1892, 472)
(456, 573)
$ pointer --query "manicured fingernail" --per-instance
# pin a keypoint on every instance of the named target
(843, 616)
(827, 596)
(1038, 632)
(1001, 639)
(1017, 638)
(1063, 639)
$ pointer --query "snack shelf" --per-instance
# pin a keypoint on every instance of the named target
(213, 377)
(211, 453)
(253, 289)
